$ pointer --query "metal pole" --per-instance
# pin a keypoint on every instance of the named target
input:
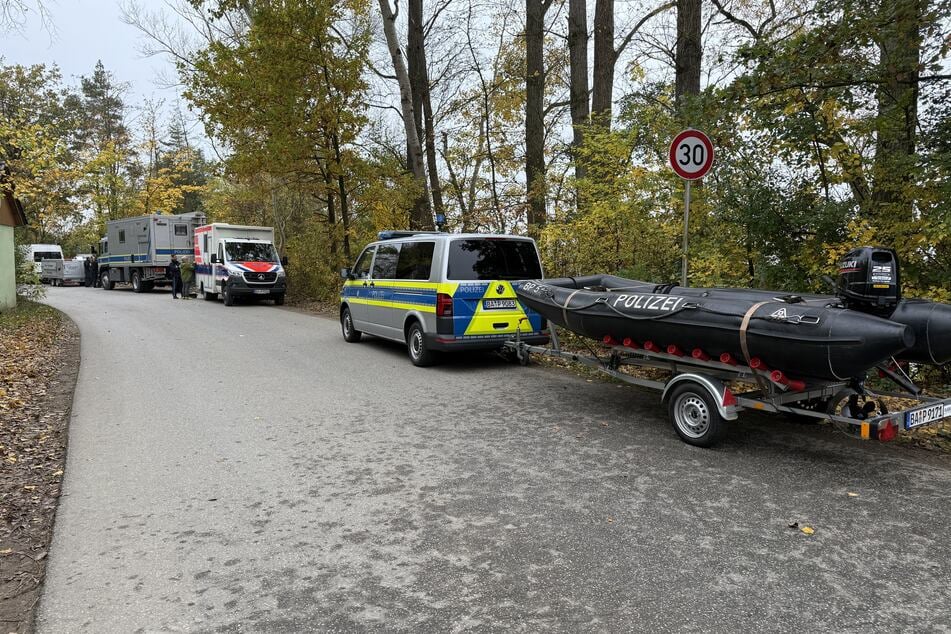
(683, 275)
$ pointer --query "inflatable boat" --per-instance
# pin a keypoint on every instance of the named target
(805, 336)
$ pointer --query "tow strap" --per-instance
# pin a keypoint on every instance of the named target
(745, 347)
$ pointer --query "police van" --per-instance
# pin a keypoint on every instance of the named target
(437, 291)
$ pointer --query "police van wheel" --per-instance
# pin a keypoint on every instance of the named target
(106, 282)
(227, 296)
(419, 352)
(205, 295)
(137, 282)
(279, 300)
(350, 334)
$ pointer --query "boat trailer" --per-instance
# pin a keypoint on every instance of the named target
(702, 393)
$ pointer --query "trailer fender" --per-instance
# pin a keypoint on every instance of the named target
(715, 387)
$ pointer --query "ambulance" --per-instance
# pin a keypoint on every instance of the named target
(238, 261)
(437, 292)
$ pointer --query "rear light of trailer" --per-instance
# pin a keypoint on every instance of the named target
(728, 399)
(443, 305)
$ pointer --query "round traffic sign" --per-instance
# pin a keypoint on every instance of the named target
(691, 154)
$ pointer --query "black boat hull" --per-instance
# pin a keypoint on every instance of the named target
(804, 341)
(930, 321)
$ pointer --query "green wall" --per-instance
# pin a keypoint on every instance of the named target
(8, 291)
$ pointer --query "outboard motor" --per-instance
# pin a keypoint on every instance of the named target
(870, 280)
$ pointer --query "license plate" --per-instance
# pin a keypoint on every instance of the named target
(925, 415)
(498, 304)
(261, 291)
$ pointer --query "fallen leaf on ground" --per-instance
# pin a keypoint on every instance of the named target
(852, 495)
(807, 530)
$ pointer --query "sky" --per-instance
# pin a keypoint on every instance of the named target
(84, 31)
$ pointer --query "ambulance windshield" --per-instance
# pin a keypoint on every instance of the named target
(250, 252)
(493, 259)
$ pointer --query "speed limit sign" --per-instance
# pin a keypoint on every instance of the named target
(691, 154)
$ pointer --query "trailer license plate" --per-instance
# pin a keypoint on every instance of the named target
(261, 291)
(498, 304)
(925, 415)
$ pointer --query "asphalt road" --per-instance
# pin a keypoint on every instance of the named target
(244, 469)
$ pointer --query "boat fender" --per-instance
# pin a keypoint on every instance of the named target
(715, 387)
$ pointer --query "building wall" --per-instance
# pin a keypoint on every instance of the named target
(8, 293)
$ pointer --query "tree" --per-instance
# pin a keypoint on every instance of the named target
(422, 102)
(104, 141)
(687, 81)
(534, 112)
(421, 216)
(37, 121)
(578, 68)
(606, 56)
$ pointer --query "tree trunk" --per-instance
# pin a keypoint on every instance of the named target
(688, 53)
(578, 64)
(331, 214)
(420, 216)
(602, 94)
(897, 121)
(534, 112)
(422, 104)
(344, 198)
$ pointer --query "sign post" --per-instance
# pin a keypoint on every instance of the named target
(691, 157)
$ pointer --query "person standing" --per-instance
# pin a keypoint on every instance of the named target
(87, 270)
(175, 272)
(96, 282)
(188, 277)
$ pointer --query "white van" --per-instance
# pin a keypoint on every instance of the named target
(36, 253)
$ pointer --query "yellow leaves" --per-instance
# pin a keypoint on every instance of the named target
(807, 530)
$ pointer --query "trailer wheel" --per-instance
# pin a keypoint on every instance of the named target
(227, 296)
(694, 415)
(106, 282)
(137, 282)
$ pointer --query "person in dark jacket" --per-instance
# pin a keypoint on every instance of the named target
(175, 272)
(87, 269)
(96, 281)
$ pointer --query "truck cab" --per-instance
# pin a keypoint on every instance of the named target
(237, 261)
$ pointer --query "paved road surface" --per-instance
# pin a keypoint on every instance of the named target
(244, 469)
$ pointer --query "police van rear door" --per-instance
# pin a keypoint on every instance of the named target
(487, 270)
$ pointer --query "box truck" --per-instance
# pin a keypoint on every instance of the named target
(137, 250)
(238, 261)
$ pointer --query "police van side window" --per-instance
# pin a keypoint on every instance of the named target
(361, 269)
(121, 235)
(415, 261)
(384, 266)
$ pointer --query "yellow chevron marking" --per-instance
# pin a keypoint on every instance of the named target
(483, 321)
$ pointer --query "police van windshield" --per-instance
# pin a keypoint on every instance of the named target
(250, 252)
(39, 256)
(493, 259)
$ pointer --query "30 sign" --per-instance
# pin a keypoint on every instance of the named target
(691, 154)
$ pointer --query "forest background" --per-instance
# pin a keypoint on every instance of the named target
(333, 119)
